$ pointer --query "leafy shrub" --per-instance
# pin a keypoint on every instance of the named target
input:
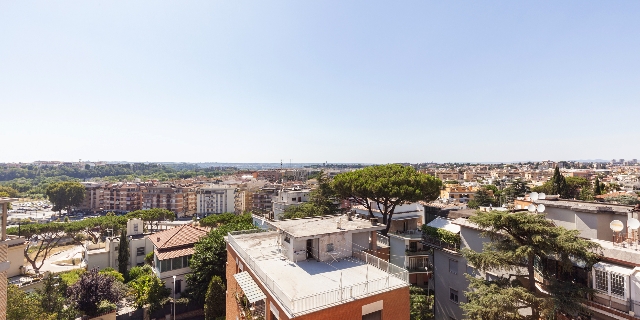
(444, 235)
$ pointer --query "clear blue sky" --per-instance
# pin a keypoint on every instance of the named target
(315, 81)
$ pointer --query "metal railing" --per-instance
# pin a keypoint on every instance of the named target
(382, 240)
(300, 305)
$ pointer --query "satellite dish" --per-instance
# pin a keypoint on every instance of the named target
(633, 223)
(533, 196)
(541, 207)
(542, 196)
(531, 208)
(616, 225)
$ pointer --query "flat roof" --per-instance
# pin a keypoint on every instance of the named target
(307, 227)
(306, 278)
(583, 206)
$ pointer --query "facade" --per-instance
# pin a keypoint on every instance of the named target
(313, 269)
(5, 263)
(215, 199)
(404, 241)
(123, 197)
(261, 200)
(93, 196)
(172, 251)
(181, 199)
(243, 201)
(616, 279)
(286, 198)
(105, 254)
(458, 193)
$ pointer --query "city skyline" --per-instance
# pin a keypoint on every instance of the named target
(337, 82)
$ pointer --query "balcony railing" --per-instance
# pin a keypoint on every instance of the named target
(301, 305)
(417, 252)
(436, 242)
(382, 240)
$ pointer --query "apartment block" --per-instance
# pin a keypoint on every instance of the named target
(123, 197)
(215, 199)
(181, 199)
(313, 269)
(286, 198)
(243, 201)
(93, 196)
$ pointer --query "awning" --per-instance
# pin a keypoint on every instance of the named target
(249, 287)
(445, 224)
(401, 217)
(608, 267)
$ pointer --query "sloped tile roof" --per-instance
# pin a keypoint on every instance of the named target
(177, 237)
(174, 253)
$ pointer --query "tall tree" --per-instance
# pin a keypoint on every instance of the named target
(516, 242)
(216, 292)
(386, 186)
(209, 259)
(597, 188)
(123, 253)
(65, 195)
(558, 183)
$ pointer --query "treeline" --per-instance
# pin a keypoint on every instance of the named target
(31, 180)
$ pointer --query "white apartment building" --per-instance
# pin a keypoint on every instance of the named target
(105, 254)
(215, 199)
(288, 197)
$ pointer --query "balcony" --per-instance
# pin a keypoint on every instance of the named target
(418, 251)
(438, 243)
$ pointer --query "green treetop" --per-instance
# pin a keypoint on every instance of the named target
(384, 187)
(517, 240)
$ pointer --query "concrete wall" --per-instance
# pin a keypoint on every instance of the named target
(397, 248)
(590, 224)
(360, 240)
(445, 309)
(15, 256)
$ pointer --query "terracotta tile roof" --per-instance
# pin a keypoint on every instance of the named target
(174, 253)
(177, 237)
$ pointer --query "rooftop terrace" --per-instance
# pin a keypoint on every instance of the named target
(308, 286)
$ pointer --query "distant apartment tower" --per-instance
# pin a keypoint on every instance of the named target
(177, 198)
(269, 175)
(261, 200)
(93, 196)
(215, 199)
(312, 269)
(244, 201)
(123, 197)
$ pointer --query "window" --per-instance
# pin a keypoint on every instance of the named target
(453, 266)
(471, 270)
(135, 227)
(176, 263)
(602, 282)
(373, 315)
(617, 285)
(140, 251)
(178, 286)
(165, 265)
(453, 295)
(329, 247)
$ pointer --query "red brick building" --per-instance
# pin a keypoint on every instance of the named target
(313, 269)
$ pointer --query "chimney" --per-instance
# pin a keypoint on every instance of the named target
(374, 221)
